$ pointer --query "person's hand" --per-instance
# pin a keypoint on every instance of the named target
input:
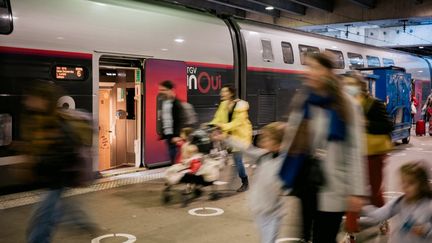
(355, 204)
(218, 135)
(175, 140)
(419, 230)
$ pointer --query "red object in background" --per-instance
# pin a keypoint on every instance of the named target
(430, 127)
(420, 128)
(156, 71)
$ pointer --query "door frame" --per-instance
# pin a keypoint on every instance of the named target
(96, 79)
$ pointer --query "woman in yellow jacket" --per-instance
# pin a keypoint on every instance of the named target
(233, 118)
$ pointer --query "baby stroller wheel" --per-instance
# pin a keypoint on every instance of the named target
(214, 196)
(185, 200)
(166, 198)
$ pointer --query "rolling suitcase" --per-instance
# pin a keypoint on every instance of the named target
(420, 128)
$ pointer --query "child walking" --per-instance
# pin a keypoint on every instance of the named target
(264, 196)
(412, 212)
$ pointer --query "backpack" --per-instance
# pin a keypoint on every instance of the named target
(78, 128)
(189, 116)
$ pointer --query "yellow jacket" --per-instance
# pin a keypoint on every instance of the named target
(240, 127)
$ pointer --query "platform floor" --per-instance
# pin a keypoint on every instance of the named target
(131, 204)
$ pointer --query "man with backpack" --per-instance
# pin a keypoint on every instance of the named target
(174, 116)
(57, 152)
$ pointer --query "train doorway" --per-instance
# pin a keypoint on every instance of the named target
(120, 116)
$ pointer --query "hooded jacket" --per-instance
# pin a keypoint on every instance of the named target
(239, 127)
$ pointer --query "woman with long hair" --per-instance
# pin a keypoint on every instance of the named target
(233, 118)
(326, 124)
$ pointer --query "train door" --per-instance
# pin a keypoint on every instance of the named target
(120, 114)
(157, 71)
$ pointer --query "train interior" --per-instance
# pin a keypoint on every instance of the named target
(119, 113)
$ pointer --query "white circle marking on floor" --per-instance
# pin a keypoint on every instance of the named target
(399, 154)
(218, 211)
(220, 183)
(414, 149)
(287, 239)
(130, 238)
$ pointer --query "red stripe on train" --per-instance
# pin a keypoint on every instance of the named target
(50, 53)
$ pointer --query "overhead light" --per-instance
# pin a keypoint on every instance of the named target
(60, 38)
(164, 49)
(420, 71)
(179, 40)
(269, 8)
(334, 47)
(421, 47)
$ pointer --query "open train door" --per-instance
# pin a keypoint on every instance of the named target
(156, 71)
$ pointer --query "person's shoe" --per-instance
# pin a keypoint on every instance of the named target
(197, 192)
(245, 185)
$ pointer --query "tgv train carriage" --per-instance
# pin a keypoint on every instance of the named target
(109, 57)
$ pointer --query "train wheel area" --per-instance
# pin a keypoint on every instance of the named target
(128, 208)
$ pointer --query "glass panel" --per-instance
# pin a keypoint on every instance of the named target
(5, 129)
(306, 50)
(373, 61)
(287, 52)
(267, 51)
(388, 62)
(355, 60)
(338, 58)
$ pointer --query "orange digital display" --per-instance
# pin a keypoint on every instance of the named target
(69, 73)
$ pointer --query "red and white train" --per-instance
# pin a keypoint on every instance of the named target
(110, 55)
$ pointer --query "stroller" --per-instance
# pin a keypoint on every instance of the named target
(213, 157)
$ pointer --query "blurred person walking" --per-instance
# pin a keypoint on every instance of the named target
(378, 140)
(233, 118)
(265, 195)
(52, 144)
(411, 212)
(324, 132)
(170, 122)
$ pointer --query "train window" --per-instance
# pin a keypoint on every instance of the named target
(6, 19)
(388, 62)
(355, 60)
(338, 57)
(306, 50)
(5, 129)
(373, 61)
(267, 51)
(287, 52)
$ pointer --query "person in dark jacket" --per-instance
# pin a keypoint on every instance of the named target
(170, 120)
(53, 153)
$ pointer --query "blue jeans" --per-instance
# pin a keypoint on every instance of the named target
(48, 214)
(44, 219)
(269, 225)
(238, 160)
(172, 149)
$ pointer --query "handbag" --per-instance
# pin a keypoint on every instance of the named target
(310, 177)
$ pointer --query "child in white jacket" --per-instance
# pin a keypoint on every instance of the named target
(264, 196)
(412, 211)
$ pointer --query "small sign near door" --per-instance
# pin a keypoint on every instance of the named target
(120, 94)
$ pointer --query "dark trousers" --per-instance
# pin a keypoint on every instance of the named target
(376, 164)
(326, 226)
(320, 226)
(172, 149)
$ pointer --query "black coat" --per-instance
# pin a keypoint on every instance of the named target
(378, 120)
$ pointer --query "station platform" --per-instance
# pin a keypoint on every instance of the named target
(128, 208)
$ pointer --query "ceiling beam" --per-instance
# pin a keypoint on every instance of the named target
(326, 5)
(208, 6)
(247, 6)
(365, 3)
(285, 6)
